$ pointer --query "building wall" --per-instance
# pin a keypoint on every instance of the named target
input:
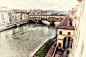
(19, 17)
(0, 18)
(79, 46)
(26, 17)
(60, 37)
(4, 18)
(14, 19)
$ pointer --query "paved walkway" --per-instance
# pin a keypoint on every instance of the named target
(50, 52)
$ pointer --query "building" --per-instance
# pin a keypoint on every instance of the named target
(18, 16)
(12, 18)
(65, 33)
(4, 18)
(25, 16)
(79, 22)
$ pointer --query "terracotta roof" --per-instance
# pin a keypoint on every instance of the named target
(79, 0)
(23, 12)
(66, 27)
(65, 22)
(61, 23)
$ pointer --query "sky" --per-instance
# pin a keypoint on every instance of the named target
(59, 5)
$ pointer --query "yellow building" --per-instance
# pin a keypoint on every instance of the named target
(65, 31)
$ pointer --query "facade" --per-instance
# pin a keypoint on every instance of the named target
(24, 17)
(18, 16)
(52, 19)
(27, 16)
(4, 18)
(62, 33)
(45, 16)
(9, 18)
(78, 17)
(80, 26)
(12, 18)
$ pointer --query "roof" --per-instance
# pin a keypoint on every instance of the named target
(66, 27)
(79, 0)
(62, 22)
(65, 21)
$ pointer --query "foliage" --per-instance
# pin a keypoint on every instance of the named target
(44, 49)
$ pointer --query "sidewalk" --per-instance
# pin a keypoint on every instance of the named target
(51, 51)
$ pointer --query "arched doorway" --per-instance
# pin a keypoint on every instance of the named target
(67, 42)
(59, 45)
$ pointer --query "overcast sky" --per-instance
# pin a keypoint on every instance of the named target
(39, 4)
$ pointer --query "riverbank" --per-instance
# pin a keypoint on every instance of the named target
(44, 49)
(7, 29)
(20, 26)
(10, 27)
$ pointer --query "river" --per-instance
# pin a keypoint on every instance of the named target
(24, 41)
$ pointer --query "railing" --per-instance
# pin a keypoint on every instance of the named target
(54, 52)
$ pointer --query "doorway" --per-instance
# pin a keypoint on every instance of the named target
(67, 42)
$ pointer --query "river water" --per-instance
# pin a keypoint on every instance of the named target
(24, 41)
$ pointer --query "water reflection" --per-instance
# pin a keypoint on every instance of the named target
(24, 41)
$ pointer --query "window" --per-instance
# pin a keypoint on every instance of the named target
(68, 33)
(60, 32)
